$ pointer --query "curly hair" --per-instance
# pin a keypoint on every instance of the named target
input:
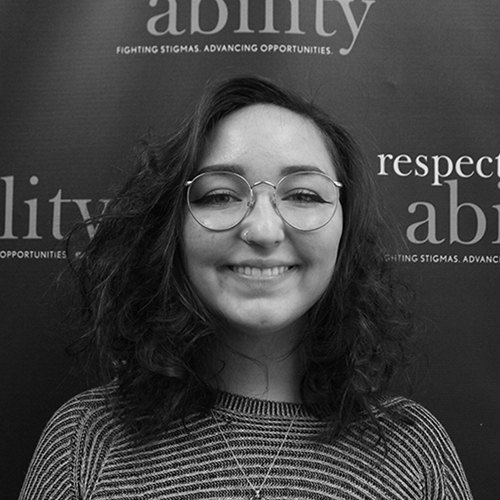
(153, 334)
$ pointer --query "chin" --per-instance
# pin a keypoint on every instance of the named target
(267, 324)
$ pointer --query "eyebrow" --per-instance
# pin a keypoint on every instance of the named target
(237, 169)
(220, 168)
(301, 168)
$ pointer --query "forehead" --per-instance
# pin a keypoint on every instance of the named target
(267, 139)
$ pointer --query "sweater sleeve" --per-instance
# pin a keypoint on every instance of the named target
(445, 477)
(456, 486)
(63, 466)
(51, 471)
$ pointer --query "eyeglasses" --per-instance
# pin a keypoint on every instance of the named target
(221, 200)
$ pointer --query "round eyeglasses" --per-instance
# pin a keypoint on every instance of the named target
(221, 200)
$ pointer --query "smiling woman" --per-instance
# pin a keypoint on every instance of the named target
(237, 295)
(261, 273)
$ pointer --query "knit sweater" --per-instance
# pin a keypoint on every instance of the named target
(85, 454)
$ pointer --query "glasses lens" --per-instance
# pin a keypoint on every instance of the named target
(307, 200)
(218, 200)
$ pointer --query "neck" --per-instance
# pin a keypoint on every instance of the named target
(260, 366)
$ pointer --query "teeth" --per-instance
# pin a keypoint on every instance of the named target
(258, 272)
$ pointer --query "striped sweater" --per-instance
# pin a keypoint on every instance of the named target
(84, 454)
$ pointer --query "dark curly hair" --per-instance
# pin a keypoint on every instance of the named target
(152, 332)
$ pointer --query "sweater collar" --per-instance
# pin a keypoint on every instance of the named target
(235, 403)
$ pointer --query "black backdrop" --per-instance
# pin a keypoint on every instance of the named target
(417, 82)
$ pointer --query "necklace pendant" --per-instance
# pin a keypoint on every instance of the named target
(256, 496)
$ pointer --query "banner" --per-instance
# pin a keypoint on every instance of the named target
(416, 82)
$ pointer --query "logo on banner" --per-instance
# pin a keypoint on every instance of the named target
(339, 22)
(22, 220)
(467, 222)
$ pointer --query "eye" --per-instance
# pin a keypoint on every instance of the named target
(302, 197)
(219, 198)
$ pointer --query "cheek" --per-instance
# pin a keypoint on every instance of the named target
(327, 248)
(201, 252)
(193, 246)
(327, 251)
(325, 266)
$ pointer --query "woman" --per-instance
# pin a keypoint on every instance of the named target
(237, 290)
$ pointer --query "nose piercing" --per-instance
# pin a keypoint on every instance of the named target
(245, 237)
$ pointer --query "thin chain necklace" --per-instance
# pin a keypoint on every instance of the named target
(256, 491)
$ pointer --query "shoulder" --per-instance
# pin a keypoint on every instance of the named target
(413, 421)
(81, 418)
(411, 410)
(414, 433)
(80, 432)
(87, 423)
(89, 408)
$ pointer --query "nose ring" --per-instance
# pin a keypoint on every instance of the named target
(245, 237)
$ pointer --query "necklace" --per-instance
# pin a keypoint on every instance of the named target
(256, 490)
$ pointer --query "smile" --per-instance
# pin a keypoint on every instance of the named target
(260, 272)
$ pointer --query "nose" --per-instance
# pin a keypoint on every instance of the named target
(263, 226)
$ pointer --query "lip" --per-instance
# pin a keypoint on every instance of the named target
(258, 269)
(260, 272)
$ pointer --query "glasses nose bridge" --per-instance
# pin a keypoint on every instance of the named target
(254, 199)
(267, 183)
